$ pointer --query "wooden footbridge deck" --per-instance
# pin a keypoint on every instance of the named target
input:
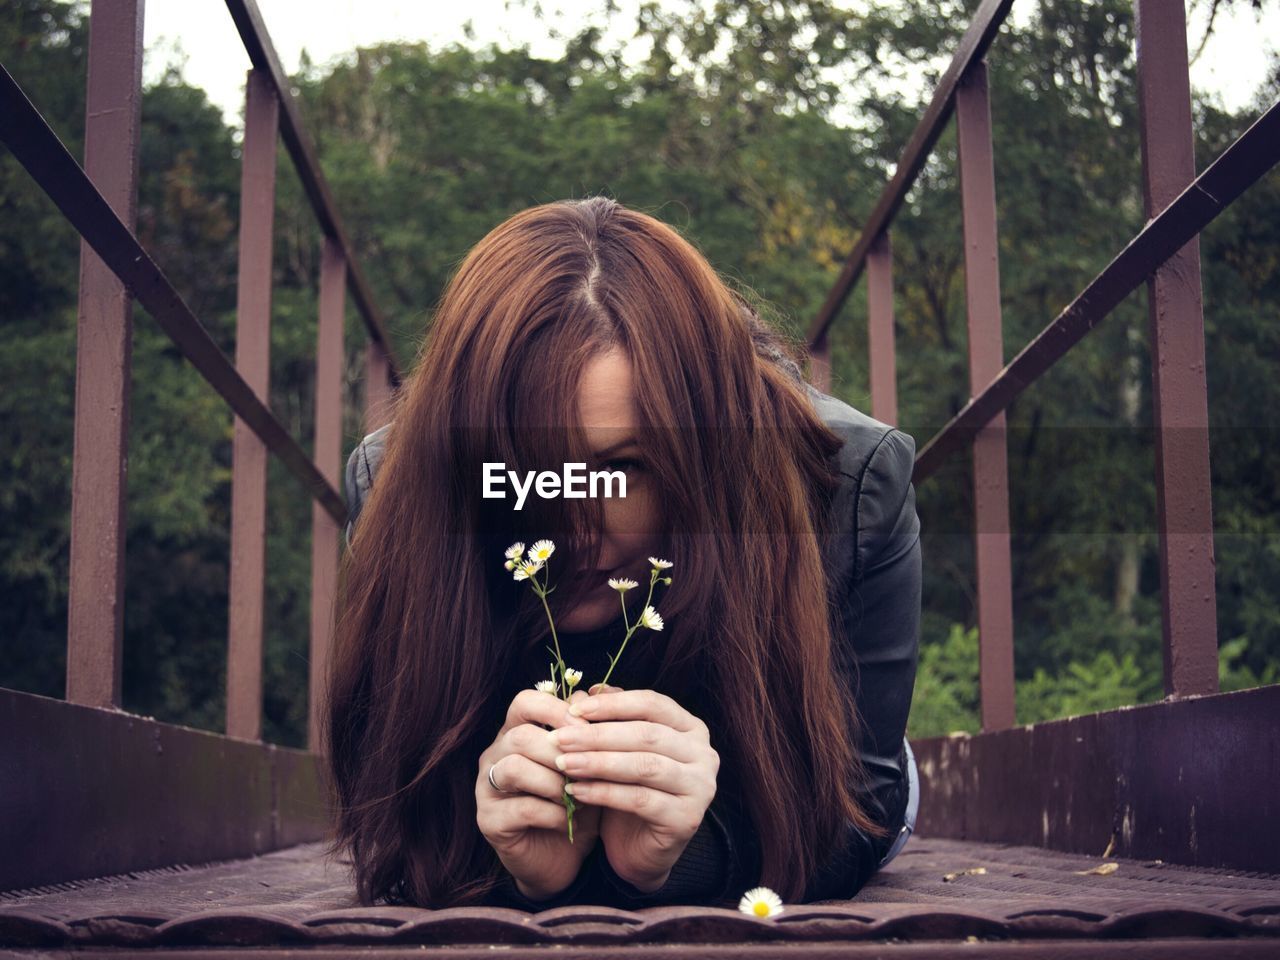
(935, 894)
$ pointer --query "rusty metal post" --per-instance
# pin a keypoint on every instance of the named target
(820, 364)
(249, 454)
(328, 454)
(986, 359)
(104, 353)
(1180, 404)
(884, 375)
(377, 389)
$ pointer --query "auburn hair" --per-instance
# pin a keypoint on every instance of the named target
(431, 632)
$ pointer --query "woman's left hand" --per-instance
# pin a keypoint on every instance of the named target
(650, 763)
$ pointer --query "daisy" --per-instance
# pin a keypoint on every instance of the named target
(545, 686)
(527, 569)
(760, 902)
(542, 550)
(660, 564)
(510, 564)
(622, 584)
(514, 551)
(651, 619)
(572, 676)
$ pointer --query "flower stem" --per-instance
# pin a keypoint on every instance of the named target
(542, 595)
(562, 686)
(653, 579)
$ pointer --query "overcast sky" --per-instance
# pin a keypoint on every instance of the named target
(200, 35)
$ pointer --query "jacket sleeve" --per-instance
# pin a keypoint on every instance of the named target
(699, 875)
(704, 872)
(508, 894)
(355, 486)
(876, 654)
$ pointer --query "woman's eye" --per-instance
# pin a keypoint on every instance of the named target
(625, 464)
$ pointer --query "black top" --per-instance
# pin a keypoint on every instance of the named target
(873, 561)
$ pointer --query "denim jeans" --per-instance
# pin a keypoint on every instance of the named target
(913, 806)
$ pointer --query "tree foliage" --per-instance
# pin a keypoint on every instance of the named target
(763, 131)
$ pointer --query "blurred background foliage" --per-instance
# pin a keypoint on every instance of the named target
(764, 132)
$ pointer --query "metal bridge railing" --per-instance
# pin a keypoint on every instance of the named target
(1164, 253)
(100, 200)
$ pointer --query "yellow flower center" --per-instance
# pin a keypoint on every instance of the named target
(760, 908)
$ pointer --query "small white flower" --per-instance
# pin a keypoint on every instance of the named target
(514, 551)
(761, 902)
(572, 676)
(651, 619)
(510, 564)
(527, 569)
(542, 550)
(545, 686)
(660, 564)
(622, 584)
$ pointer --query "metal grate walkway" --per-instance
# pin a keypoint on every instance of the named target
(995, 899)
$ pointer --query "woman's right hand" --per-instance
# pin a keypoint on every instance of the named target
(528, 826)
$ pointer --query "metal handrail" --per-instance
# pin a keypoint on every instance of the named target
(51, 165)
(257, 43)
(1164, 254)
(1240, 166)
(973, 47)
(99, 200)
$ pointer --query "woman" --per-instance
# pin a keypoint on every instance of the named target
(759, 736)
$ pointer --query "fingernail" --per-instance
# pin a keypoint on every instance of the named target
(560, 761)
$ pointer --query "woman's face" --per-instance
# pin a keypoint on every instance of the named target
(607, 408)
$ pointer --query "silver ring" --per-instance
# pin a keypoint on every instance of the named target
(493, 784)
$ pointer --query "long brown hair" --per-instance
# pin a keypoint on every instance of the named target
(432, 633)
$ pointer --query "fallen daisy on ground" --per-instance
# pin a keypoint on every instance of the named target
(761, 902)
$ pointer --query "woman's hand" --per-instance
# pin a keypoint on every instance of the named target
(528, 826)
(650, 763)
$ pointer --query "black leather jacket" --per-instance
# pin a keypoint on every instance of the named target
(874, 557)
